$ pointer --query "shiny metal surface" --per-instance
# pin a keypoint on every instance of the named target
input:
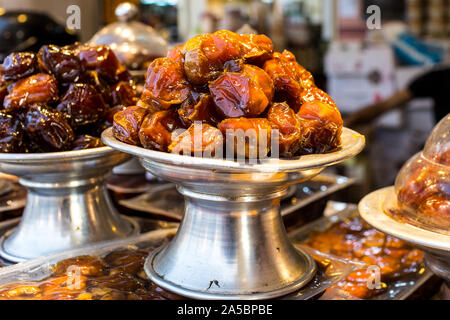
(132, 41)
(231, 242)
(435, 245)
(67, 203)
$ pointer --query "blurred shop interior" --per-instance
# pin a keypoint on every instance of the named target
(355, 58)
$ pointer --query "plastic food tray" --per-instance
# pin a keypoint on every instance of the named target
(41, 268)
(396, 290)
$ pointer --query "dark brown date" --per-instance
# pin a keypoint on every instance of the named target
(156, 129)
(127, 124)
(48, 129)
(61, 62)
(82, 105)
(122, 93)
(38, 88)
(18, 65)
(103, 60)
(86, 142)
(11, 133)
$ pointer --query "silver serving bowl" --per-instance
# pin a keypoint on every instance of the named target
(435, 245)
(231, 243)
(67, 202)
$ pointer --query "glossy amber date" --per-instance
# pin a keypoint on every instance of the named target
(256, 48)
(290, 78)
(61, 62)
(18, 65)
(11, 133)
(245, 93)
(198, 107)
(82, 105)
(289, 127)
(322, 127)
(165, 84)
(38, 88)
(48, 129)
(157, 128)
(200, 140)
(205, 55)
(127, 123)
(249, 137)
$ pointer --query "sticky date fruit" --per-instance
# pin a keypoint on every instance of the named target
(245, 93)
(61, 62)
(38, 88)
(11, 133)
(156, 129)
(18, 65)
(165, 84)
(48, 129)
(85, 141)
(127, 124)
(82, 105)
(251, 136)
(198, 140)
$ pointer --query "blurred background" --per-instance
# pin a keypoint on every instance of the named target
(361, 52)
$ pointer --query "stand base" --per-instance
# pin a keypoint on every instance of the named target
(135, 230)
(309, 268)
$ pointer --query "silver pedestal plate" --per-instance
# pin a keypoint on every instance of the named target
(435, 245)
(67, 202)
(231, 243)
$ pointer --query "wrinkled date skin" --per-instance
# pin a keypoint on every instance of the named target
(205, 55)
(86, 142)
(256, 48)
(48, 129)
(290, 78)
(245, 93)
(198, 140)
(82, 105)
(198, 107)
(18, 65)
(257, 128)
(127, 124)
(61, 62)
(322, 127)
(165, 84)
(235, 81)
(156, 129)
(289, 127)
(11, 133)
(38, 88)
(315, 94)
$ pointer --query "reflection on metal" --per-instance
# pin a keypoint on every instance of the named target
(231, 243)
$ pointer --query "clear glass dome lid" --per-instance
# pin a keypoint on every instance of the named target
(423, 184)
(437, 147)
(135, 44)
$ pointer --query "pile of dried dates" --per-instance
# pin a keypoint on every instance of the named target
(228, 81)
(61, 98)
